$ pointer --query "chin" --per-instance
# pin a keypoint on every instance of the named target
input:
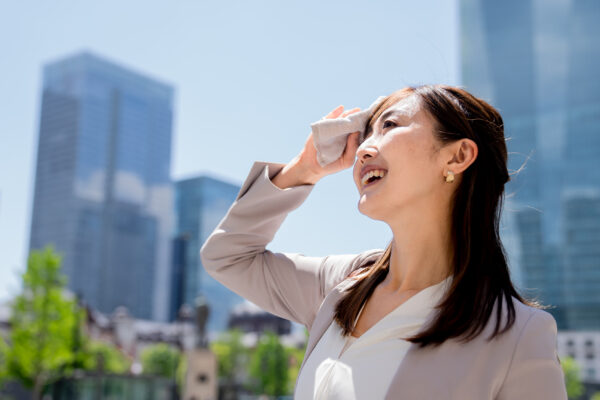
(369, 211)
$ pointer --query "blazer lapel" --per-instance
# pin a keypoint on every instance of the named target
(323, 318)
(322, 321)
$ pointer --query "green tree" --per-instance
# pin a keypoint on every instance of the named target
(596, 396)
(43, 323)
(571, 370)
(180, 373)
(231, 360)
(161, 360)
(269, 366)
(101, 356)
(296, 356)
(3, 366)
(231, 354)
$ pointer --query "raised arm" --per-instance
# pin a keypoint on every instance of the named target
(290, 285)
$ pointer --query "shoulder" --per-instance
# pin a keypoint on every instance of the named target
(534, 318)
(526, 323)
(533, 334)
(340, 267)
(534, 365)
(539, 325)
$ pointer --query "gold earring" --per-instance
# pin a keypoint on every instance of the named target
(450, 177)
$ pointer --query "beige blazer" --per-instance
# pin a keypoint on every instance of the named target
(520, 364)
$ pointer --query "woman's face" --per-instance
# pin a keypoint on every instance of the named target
(401, 143)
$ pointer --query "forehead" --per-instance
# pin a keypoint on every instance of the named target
(407, 107)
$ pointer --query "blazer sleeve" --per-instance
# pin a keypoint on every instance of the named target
(535, 371)
(289, 285)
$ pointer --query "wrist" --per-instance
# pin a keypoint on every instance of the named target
(302, 171)
(292, 174)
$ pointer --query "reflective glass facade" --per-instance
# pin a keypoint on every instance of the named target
(537, 61)
(201, 203)
(103, 194)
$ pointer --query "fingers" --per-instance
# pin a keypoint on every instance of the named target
(335, 112)
(348, 112)
(339, 112)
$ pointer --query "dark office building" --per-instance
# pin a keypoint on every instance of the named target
(201, 203)
(103, 195)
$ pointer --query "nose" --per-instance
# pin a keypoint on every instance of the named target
(365, 151)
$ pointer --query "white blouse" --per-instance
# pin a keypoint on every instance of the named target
(351, 368)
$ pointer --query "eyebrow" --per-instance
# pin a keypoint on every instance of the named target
(381, 118)
(392, 112)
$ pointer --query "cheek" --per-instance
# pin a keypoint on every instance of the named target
(401, 152)
(410, 161)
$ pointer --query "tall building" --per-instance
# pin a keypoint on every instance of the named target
(201, 203)
(538, 63)
(103, 194)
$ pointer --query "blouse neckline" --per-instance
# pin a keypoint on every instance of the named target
(415, 307)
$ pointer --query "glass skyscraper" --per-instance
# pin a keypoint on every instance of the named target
(201, 203)
(103, 194)
(538, 63)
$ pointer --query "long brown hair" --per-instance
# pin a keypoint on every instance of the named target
(480, 272)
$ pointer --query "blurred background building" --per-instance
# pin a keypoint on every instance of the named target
(104, 197)
(249, 317)
(584, 347)
(201, 202)
(132, 335)
(103, 193)
(254, 322)
(538, 63)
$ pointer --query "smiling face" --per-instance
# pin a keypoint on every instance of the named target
(402, 143)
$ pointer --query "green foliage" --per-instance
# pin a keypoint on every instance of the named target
(47, 338)
(103, 356)
(272, 368)
(296, 356)
(231, 354)
(595, 396)
(180, 373)
(269, 366)
(43, 323)
(3, 355)
(161, 360)
(571, 370)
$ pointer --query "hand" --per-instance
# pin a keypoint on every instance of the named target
(305, 169)
(308, 156)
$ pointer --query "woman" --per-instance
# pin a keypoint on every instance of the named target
(434, 315)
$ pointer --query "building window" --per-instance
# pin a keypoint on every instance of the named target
(591, 373)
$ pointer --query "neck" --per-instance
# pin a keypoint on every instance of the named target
(418, 259)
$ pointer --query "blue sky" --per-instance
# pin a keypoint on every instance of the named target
(250, 77)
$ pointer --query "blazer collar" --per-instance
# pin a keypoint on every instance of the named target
(326, 312)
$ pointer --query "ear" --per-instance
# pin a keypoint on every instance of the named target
(462, 153)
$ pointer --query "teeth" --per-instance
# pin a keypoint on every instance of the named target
(377, 172)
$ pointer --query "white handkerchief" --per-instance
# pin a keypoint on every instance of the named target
(330, 135)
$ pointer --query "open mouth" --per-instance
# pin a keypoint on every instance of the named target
(372, 181)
